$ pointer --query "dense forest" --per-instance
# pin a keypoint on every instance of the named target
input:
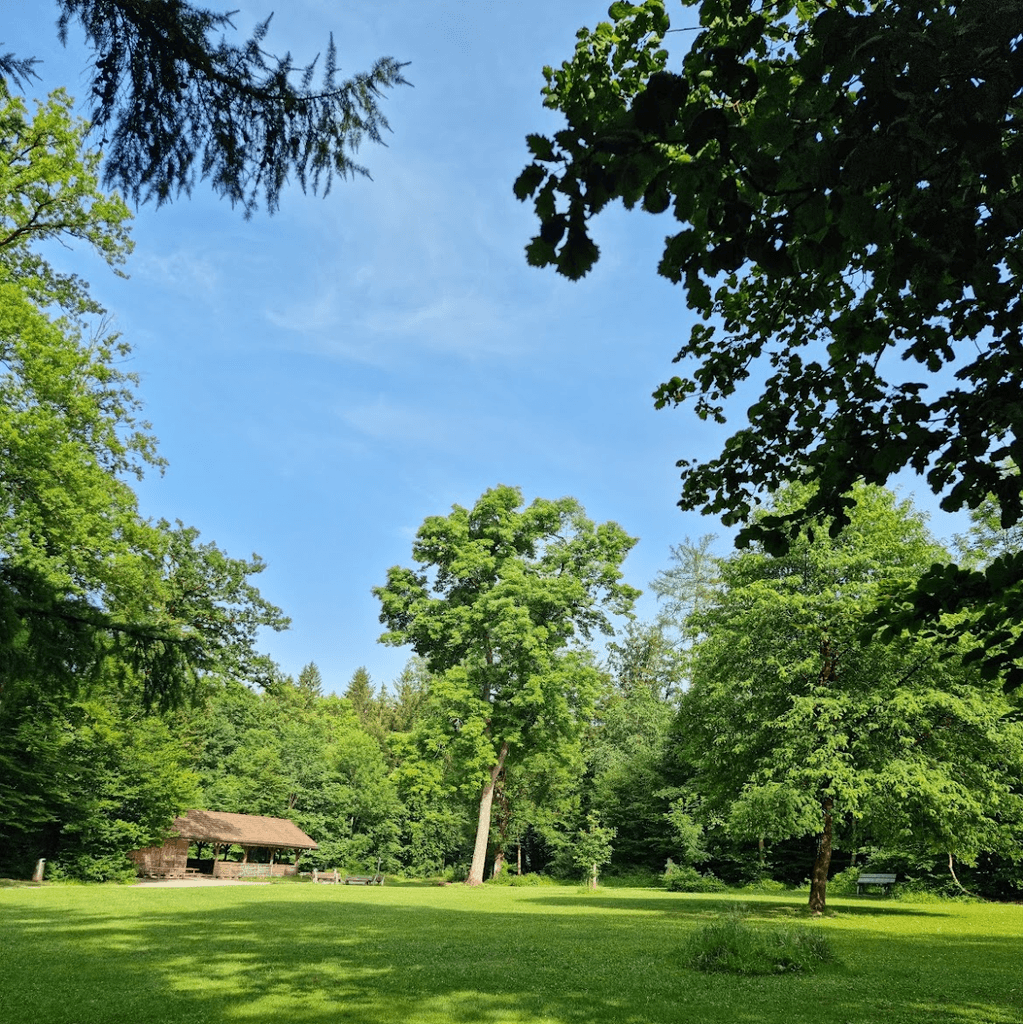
(721, 743)
(725, 738)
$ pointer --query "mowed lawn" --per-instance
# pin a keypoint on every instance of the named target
(304, 953)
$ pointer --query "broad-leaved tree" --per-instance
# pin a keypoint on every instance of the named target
(844, 186)
(500, 595)
(796, 727)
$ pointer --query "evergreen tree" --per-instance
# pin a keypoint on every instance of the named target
(175, 105)
(310, 682)
(361, 695)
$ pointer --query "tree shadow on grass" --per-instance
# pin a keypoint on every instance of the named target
(232, 956)
(690, 904)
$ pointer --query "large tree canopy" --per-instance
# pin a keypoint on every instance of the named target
(175, 104)
(501, 593)
(794, 726)
(86, 583)
(847, 178)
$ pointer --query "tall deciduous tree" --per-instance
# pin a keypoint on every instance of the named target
(501, 593)
(85, 582)
(846, 180)
(175, 104)
(84, 781)
(796, 727)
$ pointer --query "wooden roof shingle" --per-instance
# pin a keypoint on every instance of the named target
(243, 829)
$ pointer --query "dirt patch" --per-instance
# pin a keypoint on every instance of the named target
(190, 883)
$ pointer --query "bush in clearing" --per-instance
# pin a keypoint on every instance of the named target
(736, 946)
(681, 878)
(509, 878)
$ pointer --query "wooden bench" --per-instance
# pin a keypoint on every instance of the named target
(867, 879)
(333, 876)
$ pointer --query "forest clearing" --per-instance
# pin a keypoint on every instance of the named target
(304, 953)
(662, 803)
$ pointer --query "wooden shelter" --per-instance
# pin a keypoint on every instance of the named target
(222, 830)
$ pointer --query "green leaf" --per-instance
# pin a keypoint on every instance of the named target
(577, 255)
(540, 253)
(541, 147)
(529, 181)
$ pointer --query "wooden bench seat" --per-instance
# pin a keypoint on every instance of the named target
(334, 877)
(875, 879)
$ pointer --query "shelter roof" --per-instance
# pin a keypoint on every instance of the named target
(243, 829)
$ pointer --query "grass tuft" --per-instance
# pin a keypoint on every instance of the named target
(736, 946)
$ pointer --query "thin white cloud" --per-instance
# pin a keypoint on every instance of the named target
(463, 324)
(318, 313)
(385, 420)
(432, 270)
(181, 271)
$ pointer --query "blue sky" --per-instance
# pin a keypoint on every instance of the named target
(324, 379)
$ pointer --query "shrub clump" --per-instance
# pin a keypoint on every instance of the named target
(735, 946)
(765, 886)
(631, 878)
(680, 878)
(531, 879)
(844, 883)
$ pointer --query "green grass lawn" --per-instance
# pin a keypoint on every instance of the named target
(304, 953)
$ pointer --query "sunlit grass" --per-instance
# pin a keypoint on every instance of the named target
(85, 955)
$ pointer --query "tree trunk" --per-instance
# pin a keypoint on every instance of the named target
(952, 872)
(479, 853)
(819, 880)
(503, 821)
